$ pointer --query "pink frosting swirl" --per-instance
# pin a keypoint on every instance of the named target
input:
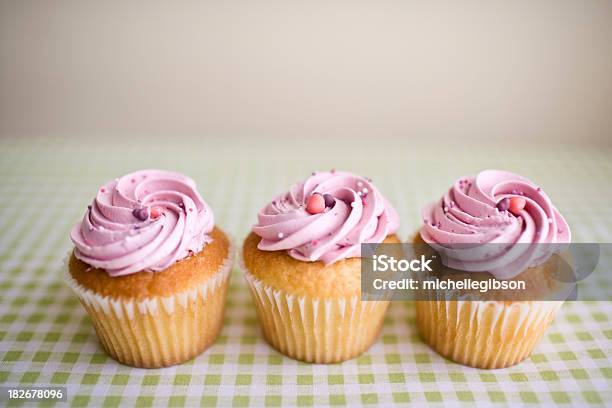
(355, 213)
(473, 228)
(146, 220)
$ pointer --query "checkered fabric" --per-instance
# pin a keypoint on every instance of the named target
(47, 339)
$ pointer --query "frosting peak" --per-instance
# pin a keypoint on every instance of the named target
(477, 212)
(350, 211)
(146, 220)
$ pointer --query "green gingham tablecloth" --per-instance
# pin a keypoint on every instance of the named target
(47, 339)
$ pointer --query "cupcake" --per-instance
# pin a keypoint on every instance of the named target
(151, 269)
(500, 225)
(302, 263)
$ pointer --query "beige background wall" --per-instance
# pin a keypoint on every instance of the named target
(426, 70)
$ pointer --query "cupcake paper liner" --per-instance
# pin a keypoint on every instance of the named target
(159, 331)
(315, 330)
(484, 334)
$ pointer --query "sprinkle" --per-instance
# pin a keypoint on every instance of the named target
(191, 210)
(280, 235)
(103, 190)
(445, 209)
(359, 193)
(141, 214)
(353, 204)
(329, 200)
(539, 189)
(516, 205)
(133, 181)
(365, 190)
(451, 204)
(504, 204)
(315, 204)
(156, 211)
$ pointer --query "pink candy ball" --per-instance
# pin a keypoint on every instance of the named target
(315, 204)
(156, 211)
(516, 205)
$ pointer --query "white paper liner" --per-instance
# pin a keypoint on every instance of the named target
(125, 308)
(319, 330)
(485, 334)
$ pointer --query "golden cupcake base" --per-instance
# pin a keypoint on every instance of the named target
(310, 311)
(162, 329)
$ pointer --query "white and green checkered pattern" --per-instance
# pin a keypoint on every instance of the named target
(47, 339)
